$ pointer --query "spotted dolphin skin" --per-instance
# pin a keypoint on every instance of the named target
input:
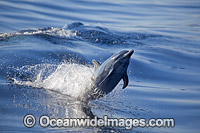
(108, 74)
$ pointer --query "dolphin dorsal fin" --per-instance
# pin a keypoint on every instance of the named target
(96, 64)
(125, 79)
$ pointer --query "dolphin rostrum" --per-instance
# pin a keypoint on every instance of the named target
(108, 74)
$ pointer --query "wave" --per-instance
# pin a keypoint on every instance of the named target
(79, 32)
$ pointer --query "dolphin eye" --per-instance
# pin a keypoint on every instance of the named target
(114, 58)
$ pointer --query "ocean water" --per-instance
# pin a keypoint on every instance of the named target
(46, 49)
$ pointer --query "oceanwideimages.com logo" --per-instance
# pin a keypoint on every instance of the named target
(127, 123)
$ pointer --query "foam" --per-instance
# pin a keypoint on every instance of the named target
(68, 78)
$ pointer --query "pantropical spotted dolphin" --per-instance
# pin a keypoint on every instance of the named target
(108, 74)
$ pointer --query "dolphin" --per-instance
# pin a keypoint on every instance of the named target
(108, 74)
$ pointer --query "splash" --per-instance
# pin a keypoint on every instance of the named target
(67, 78)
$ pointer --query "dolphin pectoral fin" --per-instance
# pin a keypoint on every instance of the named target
(125, 79)
(96, 64)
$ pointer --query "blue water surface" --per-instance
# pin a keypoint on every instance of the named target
(42, 40)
